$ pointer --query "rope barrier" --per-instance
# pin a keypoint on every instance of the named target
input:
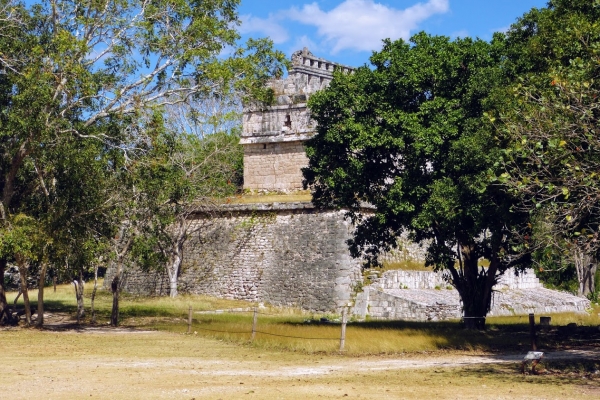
(264, 313)
(214, 330)
(255, 331)
(267, 333)
(296, 337)
(216, 312)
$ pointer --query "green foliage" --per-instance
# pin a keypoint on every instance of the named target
(553, 36)
(183, 174)
(21, 237)
(552, 155)
(84, 92)
(408, 138)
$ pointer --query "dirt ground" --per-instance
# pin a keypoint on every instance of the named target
(63, 362)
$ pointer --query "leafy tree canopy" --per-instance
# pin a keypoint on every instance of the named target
(408, 139)
(79, 81)
(550, 125)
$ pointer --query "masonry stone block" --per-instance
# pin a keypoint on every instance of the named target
(267, 253)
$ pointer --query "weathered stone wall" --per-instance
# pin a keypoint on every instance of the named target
(283, 121)
(274, 166)
(284, 254)
(293, 255)
(399, 279)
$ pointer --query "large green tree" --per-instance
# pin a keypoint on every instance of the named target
(404, 147)
(550, 127)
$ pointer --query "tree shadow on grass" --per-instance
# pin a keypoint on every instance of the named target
(497, 337)
(574, 371)
(513, 337)
(56, 306)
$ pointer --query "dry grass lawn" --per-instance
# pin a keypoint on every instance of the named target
(151, 357)
(126, 364)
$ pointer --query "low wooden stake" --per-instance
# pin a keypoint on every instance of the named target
(254, 322)
(343, 336)
(190, 319)
(532, 332)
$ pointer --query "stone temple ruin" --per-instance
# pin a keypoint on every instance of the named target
(292, 254)
(272, 138)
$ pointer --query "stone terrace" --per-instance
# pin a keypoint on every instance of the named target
(425, 296)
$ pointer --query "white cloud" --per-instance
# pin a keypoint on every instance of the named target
(265, 26)
(362, 24)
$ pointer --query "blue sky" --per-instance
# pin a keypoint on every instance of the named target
(347, 31)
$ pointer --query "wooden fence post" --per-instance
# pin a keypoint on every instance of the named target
(532, 331)
(254, 321)
(343, 336)
(190, 319)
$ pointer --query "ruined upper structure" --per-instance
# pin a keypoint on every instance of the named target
(273, 137)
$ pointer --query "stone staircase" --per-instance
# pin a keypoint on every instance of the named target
(426, 296)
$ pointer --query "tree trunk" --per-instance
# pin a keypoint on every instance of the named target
(94, 293)
(122, 245)
(586, 273)
(5, 317)
(114, 285)
(476, 302)
(78, 284)
(474, 285)
(173, 275)
(40, 305)
(587, 285)
(54, 277)
(19, 293)
(173, 287)
(176, 257)
(23, 269)
(80, 304)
